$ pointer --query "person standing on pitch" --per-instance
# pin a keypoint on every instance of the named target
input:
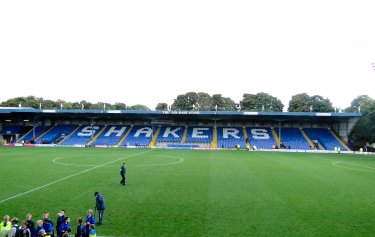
(5, 226)
(100, 206)
(123, 173)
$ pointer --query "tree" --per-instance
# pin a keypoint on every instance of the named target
(365, 128)
(186, 102)
(204, 102)
(29, 101)
(360, 103)
(261, 102)
(119, 106)
(222, 103)
(319, 104)
(162, 106)
(139, 107)
(300, 103)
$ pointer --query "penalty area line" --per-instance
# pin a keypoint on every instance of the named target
(70, 176)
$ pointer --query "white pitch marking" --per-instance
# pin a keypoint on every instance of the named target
(180, 160)
(358, 165)
(67, 177)
(170, 163)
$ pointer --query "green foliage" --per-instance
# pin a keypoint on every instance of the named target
(299, 103)
(119, 106)
(162, 106)
(365, 128)
(36, 103)
(304, 103)
(361, 103)
(319, 104)
(208, 193)
(222, 103)
(261, 102)
(203, 102)
(139, 107)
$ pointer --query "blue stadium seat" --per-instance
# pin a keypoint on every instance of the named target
(199, 135)
(38, 131)
(293, 138)
(325, 138)
(83, 135)
(55, 133)
(111, 135)
(229, 137)
(12, 129)
(171, 134)
(139, 135)
(261, 137)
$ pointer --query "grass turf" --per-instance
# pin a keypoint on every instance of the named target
(194, 193)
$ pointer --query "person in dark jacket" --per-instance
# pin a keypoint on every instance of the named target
(100, 206)
(123, 173)
(81, 230)
(64, 227)
(30, 223)
(60, 220)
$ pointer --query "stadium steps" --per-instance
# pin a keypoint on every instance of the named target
(246, 136)
(214, 138)
(276, 137)
(96, 136)
(123, 138)
(155, 136)
(185, 134)
(42, 134)
(69, 134)
(339, 140)
(20, 139)
(307, 138)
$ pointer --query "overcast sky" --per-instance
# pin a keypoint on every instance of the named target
(145, 52)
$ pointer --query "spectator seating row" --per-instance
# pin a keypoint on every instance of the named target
(324, 137)
(292, 138)
(111, 135)
(172, 136)
(261, 137)
(230, 137)
(83, 135)
(34, 133)
(56, 132)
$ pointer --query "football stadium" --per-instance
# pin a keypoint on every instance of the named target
(189, 173)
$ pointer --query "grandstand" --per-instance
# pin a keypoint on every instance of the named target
(55, 133)
(170, 136)
(139, 136)
(111, 136)
(231, 137)
(33, 134)
(292, 138)
(201, 136)
(179, 129)
(325, 138)
(261, 137)
(83, 135)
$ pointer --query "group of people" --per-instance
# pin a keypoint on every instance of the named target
(47, 228)
(63, 228)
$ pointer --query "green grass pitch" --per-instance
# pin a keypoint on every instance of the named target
(194, 193)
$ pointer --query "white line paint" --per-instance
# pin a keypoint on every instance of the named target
(367, 168)
(337, 162)
(180, 160)
(70, 176)
(68, 164)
